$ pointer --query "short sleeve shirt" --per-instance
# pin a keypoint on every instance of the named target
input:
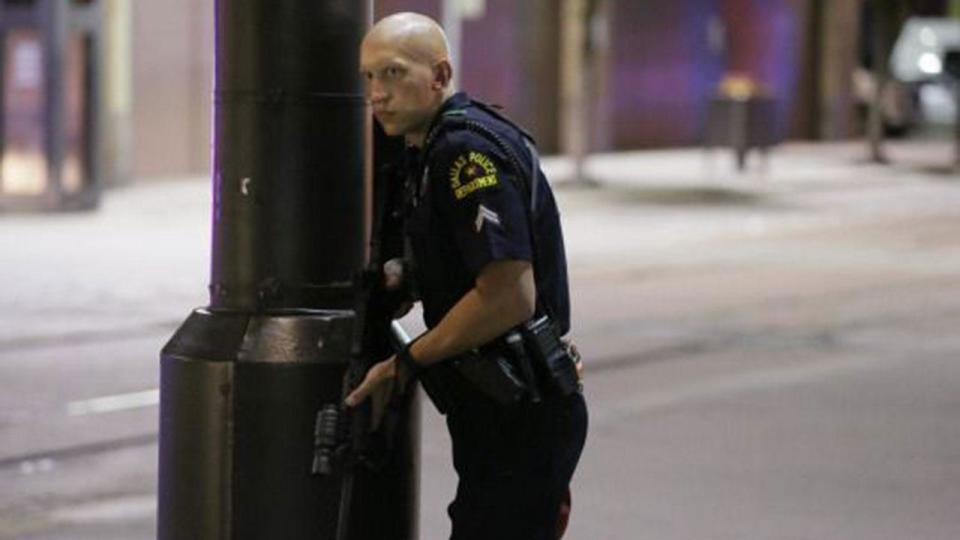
(469, 209)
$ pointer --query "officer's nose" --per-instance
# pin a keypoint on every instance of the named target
(378, 98)
(377, 94)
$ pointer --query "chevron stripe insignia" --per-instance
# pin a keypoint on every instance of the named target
(484, 214)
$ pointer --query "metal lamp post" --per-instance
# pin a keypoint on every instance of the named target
(243, 379)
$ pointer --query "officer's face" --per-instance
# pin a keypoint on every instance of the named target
(402, 89)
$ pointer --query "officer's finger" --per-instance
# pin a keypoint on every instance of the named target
(380, 397)
(360, 393)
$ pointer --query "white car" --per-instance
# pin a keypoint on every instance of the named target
(917, 60)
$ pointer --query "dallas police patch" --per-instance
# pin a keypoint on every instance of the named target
(472, 172)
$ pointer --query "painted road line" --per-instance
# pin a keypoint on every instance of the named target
(119, 402)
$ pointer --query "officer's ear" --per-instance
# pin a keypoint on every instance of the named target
(442, 75)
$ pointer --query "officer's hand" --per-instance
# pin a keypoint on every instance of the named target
(393, 274)
(575, 354)
(378, 380)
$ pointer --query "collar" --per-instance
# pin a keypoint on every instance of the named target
(414, 155)
(459, 100)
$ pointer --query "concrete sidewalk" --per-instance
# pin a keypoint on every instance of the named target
(141, 261)
(789, 167)
(670, 260)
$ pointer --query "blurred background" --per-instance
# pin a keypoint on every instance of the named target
(648, 70)
(761, 201)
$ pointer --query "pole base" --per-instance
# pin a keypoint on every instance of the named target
(239, 396)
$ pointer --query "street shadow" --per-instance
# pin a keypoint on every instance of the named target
(684, 196)
(947, 173)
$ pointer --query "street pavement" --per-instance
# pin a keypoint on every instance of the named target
(771, 354)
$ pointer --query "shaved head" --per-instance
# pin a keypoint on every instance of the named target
(405, 62)
(416, 35)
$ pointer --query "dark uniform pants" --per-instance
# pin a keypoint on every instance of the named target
(514, 465)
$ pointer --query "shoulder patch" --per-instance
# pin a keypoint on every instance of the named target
(470, 172)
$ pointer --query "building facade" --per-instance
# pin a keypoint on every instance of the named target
(663, 62)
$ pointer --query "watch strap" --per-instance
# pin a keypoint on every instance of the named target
(405, 359)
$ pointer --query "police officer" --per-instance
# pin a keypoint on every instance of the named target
(484, 234)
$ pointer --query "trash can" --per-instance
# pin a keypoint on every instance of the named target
(49, 94)
(742, 115)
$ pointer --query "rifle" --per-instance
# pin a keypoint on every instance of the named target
(344, 442)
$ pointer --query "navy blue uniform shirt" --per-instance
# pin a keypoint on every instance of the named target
(467, 207)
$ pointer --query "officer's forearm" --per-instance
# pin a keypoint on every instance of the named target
(503, 297)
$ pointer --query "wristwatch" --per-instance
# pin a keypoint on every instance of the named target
(405, 359)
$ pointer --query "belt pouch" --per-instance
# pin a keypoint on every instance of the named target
(551, 356)
(492, 374)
